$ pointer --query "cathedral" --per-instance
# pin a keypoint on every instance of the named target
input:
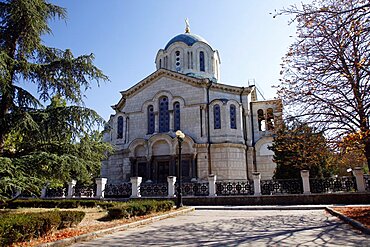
(227, 129)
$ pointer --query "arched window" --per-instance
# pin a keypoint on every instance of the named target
(151, 120)
(164, 116)
(217, 117)
(270, 119)
(201, 61)
(160, 63)
(261, 120)
(232, 117)
(176, 116)
(120, 127)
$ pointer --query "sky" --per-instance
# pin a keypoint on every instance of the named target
(125, 36)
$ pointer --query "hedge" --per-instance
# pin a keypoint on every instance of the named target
(25, 226)
(138, 208)
(46, 203)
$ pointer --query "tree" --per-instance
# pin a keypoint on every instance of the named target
(298, 147)
(39, 143)
(326, 72)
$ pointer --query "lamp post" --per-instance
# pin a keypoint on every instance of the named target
(180, 138)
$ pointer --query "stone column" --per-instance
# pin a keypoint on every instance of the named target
(212, 184)
(100, 187)
(71, 186)
(135, 181)
(156, 122)
(257, 183)
(171, 186)
(171, 120)
(359, 174)
(305, 175)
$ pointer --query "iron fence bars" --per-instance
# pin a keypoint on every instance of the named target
(226, 188)
(80, 191)
(281, 186)
(118, 190)
(367, 182)
(329, 185)
(195, 189)
(154, 189)
(56, 192)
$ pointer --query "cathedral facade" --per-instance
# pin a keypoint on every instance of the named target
(227, 130)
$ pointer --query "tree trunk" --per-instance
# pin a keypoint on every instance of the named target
(367, 153)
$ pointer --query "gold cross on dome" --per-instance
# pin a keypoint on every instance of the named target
(187, 25)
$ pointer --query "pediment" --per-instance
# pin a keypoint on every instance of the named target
(198, 82)
(152, 78)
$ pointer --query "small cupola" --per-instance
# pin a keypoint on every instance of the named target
(190, 54)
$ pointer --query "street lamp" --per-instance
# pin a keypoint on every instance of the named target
(180, 138)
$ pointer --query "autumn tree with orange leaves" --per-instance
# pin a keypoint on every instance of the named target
(326, 72)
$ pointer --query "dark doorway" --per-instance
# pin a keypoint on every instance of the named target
(163, 171)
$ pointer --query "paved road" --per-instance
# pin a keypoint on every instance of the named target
(240, 228)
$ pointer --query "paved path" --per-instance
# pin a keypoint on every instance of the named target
(240, 228)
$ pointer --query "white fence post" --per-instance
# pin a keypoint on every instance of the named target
(212, 184)
(135, 181)
(257, 183)
(100, 187)
(71, 186)
(359, 174)
(305, 175)
(171, 180)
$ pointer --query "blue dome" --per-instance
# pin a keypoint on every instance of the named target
(186, 38)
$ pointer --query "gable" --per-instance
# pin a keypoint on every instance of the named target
(172, 88)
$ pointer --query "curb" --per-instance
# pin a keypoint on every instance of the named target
(92, 235)
(350, 221)
(303, 207)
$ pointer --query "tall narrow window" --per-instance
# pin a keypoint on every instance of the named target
(160, 63)
(261, 120)
(164, 116)
(176, 116)
(120, 127)
(151, 120)
(232, 117)
(217, 117)
(201, 61)
(270, 119)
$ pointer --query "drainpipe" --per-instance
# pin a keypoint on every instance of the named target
(245, 137)
(209, 131)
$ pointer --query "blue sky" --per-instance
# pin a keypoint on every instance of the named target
(125, 36)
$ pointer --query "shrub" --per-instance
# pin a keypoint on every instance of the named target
(25, 226)
(138, 208)
(70, 218)
(88, 203)
(61, 203)
(151, 206)
(165, 206)
(120, 212)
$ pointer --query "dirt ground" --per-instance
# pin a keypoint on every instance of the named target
(360, 214)
(94, 221)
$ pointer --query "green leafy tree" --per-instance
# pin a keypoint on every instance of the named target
(36, 143)
(326, 79)
(298, 147)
